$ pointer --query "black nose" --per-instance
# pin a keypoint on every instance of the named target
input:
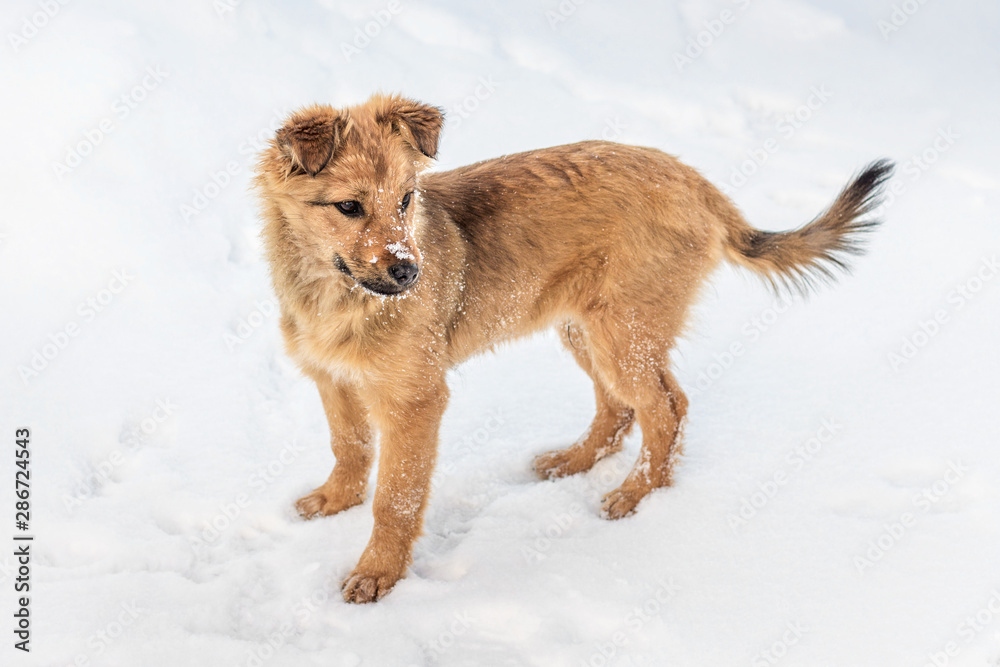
(404, 273)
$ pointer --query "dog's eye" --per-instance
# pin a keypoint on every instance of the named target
(350, 208)
(406, 200)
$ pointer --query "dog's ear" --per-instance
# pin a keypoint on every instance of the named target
(311, 136)
(420, 124)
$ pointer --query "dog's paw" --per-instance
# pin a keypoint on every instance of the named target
(363, 586)
(562, 463)
(327, 500)
(621, 502)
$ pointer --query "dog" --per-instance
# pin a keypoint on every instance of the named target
(388, 276)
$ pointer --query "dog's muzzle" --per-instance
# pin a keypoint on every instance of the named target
(400, 277)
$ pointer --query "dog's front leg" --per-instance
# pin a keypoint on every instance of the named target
(408, 422)
(351, 440)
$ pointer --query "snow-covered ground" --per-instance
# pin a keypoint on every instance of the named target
(838, 500)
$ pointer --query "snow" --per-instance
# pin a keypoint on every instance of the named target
(171, 435)
(399, 249)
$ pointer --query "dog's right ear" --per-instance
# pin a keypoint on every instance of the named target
(310, 137)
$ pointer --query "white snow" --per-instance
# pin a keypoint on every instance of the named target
(399, 250)
(171, 435)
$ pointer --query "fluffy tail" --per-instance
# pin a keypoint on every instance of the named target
(795, 259)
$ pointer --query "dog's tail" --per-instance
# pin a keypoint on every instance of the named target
(795, 259)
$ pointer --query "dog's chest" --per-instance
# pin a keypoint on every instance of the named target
(347, 344)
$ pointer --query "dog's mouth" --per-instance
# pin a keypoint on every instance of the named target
(375, 287)
(380, 289)
(341, 265)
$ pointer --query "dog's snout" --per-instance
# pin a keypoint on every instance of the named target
(404, 273)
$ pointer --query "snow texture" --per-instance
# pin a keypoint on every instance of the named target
(836, 503)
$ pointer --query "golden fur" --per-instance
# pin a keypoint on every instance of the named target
(610, 243)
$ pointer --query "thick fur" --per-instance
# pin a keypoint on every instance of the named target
(608, 243)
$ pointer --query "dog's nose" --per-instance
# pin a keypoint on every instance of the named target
(404, 273)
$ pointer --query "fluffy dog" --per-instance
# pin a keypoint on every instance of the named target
(387, 277)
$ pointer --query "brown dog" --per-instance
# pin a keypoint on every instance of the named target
(388, 278)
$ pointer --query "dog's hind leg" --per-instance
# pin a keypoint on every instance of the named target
(633, 361)
(611, 424)
(662, 421)
(352, 442)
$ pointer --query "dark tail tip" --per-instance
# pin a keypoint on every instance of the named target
(865, 191)
(797, 259)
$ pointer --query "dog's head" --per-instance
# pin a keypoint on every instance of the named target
(343, 182)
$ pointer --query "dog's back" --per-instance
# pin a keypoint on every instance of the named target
(556, 233)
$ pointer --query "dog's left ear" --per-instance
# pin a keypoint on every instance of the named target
(420, 124)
